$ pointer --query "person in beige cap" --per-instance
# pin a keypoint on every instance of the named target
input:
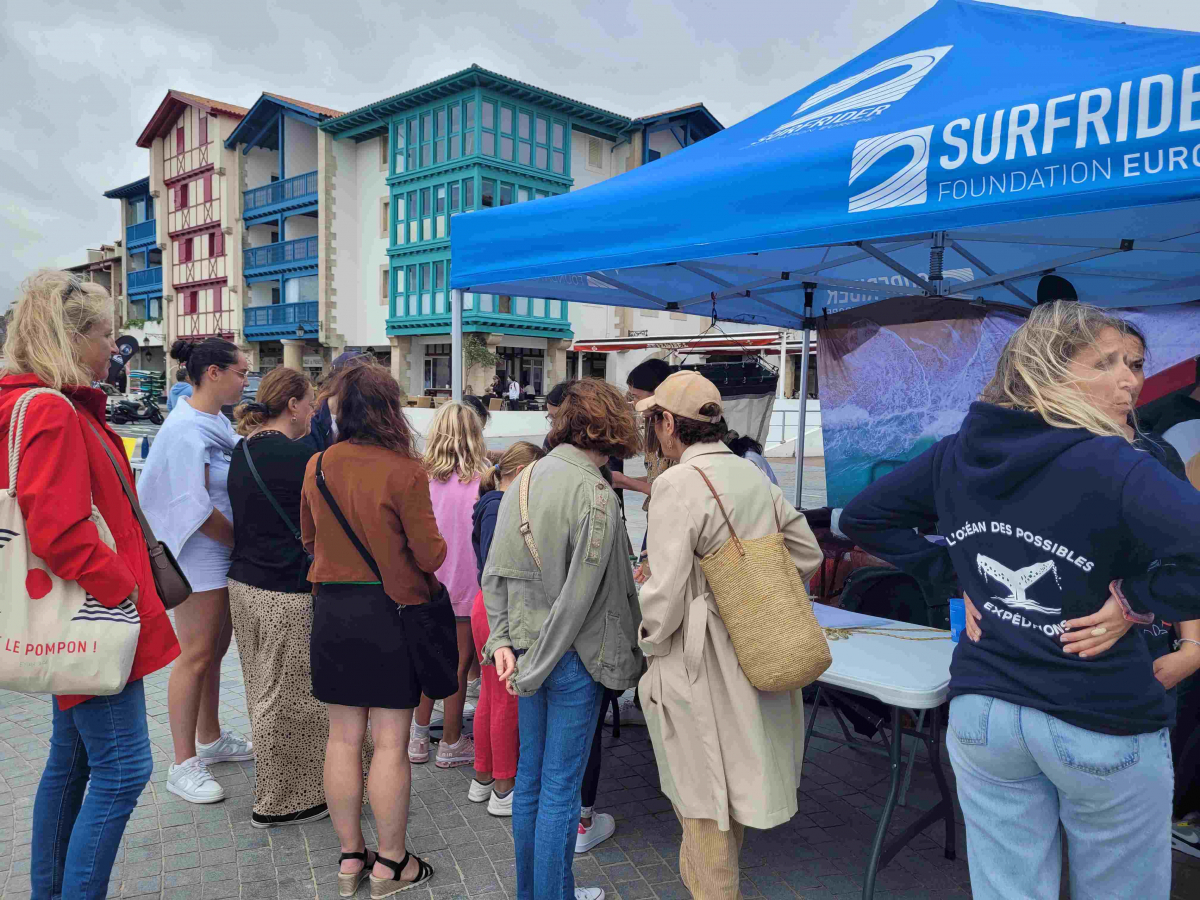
(728, 755)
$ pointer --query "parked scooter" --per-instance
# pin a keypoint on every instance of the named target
(135, 411)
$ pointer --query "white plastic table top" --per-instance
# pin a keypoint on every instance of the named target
(905, 673)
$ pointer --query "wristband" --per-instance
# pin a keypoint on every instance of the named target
(1126, 610)
(1185, 641)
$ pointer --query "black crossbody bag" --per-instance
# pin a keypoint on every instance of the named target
(429, 628)
(262, 486)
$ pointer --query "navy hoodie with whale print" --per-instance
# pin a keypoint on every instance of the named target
(1038, 520)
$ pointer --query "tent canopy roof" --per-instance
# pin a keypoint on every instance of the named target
(1075, 149)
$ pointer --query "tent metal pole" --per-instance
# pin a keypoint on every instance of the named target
(809, 287)
(456, 345)
(779, 391)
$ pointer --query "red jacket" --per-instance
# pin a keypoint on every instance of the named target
(63, 463)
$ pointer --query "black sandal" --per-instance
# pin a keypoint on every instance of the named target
(385, 887)
(348, 882)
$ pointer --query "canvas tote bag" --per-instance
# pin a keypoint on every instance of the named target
(766, 610)
(54, 637)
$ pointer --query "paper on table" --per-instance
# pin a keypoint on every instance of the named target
(832, 617)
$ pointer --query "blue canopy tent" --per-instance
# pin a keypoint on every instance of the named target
(974, 151)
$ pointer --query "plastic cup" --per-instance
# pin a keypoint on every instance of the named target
(958, 618)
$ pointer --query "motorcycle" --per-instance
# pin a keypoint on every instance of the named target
(137, 410)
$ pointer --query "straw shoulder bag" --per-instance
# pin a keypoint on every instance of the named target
(766, 610)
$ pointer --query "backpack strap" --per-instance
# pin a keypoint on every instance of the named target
(526, 529)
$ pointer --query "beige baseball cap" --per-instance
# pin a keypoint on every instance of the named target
(684, 394)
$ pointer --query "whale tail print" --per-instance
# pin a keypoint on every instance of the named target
(1018, 582)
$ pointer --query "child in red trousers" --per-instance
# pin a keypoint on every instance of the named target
(497, 744)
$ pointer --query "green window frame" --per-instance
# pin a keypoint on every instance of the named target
(487, 128)
(400, 233)
(399, 153)
(454, 139)
(507, 129)
(469, 127)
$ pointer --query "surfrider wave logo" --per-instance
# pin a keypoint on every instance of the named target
(906, 187)
(827, 108)
(1018, 581)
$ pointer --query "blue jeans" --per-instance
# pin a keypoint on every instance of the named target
(1020, 772)
(101, 745)
(556, 724)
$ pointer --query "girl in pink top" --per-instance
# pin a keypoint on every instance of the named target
(455, 459)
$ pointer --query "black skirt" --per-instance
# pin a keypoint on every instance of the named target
(360, 655)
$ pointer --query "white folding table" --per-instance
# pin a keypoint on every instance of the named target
(903, 674)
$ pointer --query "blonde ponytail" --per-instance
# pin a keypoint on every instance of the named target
(52, 310)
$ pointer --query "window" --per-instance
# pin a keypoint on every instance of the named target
(410, 287)
(522, 194)
(300, 290)
(426, 139)
(179, 140)
(413, 144)
(453, 138)
(469, 129)
(487, 196)
(274, 296)
(154, 258)
(439, 135)
(504, 304)
(595, 159)
(203, 130)
(181, 196)
(439, 287)
(506, 133)
(385, 217)
(190, 302)
(558, 154)
(413, 216)
(384, 278)
(398, 143)
(216, 298)
(212, 244)
(426, 290)
(525, 138)
(468, 194)
(488, 127)
(439, 199)
(208, 188)
(401, 228)
(383, 150)
(506, 194)
(426, 214)
(455, 196)
(437, 367)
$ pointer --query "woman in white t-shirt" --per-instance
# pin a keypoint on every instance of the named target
(185, 495)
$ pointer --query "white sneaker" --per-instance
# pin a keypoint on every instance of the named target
(501, 806)
(589, 893)
(630, 714)
(478, 792)
(473, 690)
(193, 782)
(229, 747)
(603, 827)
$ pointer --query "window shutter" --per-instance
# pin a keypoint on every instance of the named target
(595, 158)
(179, 140)
(216, 298)
(220, 242)
(212, 244)
(203, 130)
(176, 197)
(208, 187)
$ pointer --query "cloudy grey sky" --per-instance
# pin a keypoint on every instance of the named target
(82, 79)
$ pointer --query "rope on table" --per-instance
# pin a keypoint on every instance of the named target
(844, 634)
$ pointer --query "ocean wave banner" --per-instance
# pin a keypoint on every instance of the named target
(897, 376)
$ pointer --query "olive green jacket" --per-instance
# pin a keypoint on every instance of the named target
(583, 598)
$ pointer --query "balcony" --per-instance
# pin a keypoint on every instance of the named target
(280, 320)
(275, 259)
(280, 196)
(144, 282)
(480, 320)
(141, 235)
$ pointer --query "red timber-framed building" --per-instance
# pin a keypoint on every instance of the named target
(198, 208)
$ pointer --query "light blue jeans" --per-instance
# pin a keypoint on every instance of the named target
(1020, 772)
(557, 724)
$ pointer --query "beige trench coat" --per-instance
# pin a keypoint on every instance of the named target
(724, 749)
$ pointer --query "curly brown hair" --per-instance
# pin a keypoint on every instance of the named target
(593, 415)
(370, 409)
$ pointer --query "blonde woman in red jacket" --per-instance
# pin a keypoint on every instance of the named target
(61, 337)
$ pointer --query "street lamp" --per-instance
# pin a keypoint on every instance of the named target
(300, 331)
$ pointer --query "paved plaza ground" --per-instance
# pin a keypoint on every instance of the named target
(174, 850)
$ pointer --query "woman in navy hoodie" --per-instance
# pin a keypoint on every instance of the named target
(1065, 536)
(497, 744)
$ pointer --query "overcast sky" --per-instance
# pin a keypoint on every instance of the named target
(82, 79)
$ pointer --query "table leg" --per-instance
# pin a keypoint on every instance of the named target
(895, 754)
(935, 761)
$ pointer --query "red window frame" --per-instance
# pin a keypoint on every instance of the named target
(190, 302)
(181, 198)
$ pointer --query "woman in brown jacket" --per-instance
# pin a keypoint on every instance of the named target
(362, 666)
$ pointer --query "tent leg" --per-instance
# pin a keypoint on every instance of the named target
(456, 345)
(803, 412)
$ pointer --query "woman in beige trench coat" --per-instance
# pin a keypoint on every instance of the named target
(728, 755)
